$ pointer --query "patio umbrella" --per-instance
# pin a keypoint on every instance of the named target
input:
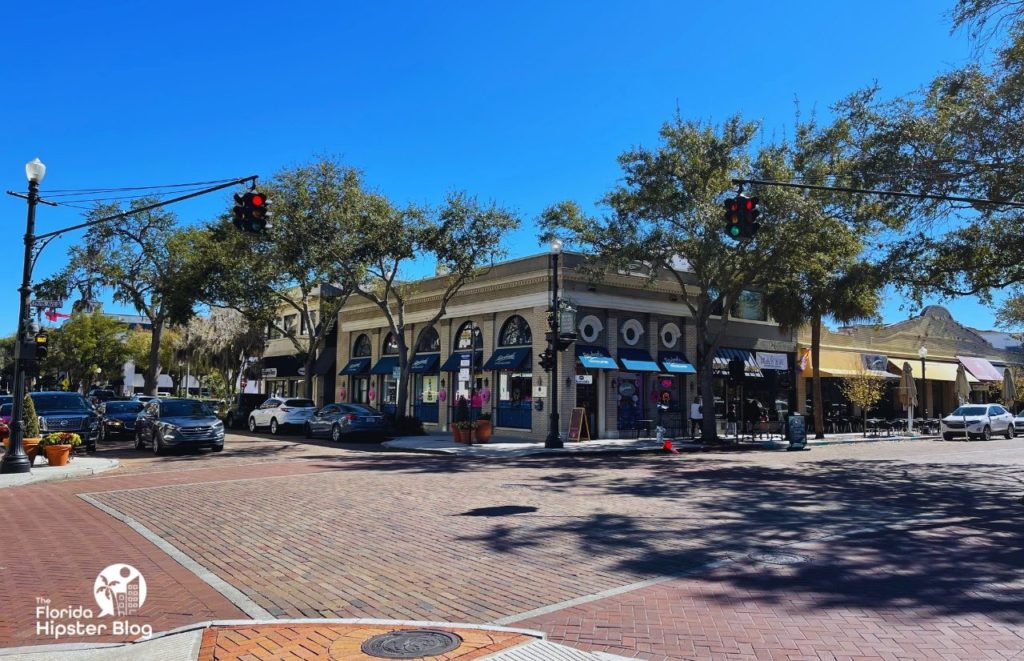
(961, 387)
(1009, 389)
(908, 394)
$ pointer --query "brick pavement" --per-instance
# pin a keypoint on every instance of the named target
(368, 535)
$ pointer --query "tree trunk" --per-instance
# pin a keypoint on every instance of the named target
(308, 376)
(154, 357)
(402, 400)
(819, 417)
(709, 426)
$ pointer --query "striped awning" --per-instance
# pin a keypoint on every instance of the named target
(724, 354)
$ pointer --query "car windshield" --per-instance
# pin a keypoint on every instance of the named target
(970, 410)
(184, 407)
(362, 410)
(124, 407)
(300, 403)
(6, 409)
(60, 402)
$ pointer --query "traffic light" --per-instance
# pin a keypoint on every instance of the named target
(546, 359)
(251, 212)
(737, 370)
(239, 213)
(750, 216)
(42, 345)
(733, 224)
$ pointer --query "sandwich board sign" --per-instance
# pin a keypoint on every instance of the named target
(578, 429)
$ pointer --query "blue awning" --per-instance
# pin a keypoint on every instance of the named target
(385, 365)
(424, 363)
(454, 362)
(675, 363)
(596, 358)
(637, 360)
(356, 366)
(724, 354)
(507, 359)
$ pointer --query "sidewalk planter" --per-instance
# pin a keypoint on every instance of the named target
(462, 432)
(57, 455)
(31, 446)
(483, 430)
(58, 446)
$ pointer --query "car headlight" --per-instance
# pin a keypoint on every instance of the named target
(169, 431)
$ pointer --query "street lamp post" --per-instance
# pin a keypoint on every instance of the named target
(15, 460)
(554, 440)
(922, 353)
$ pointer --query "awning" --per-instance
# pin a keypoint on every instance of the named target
(356, 366)
(981, 368)
(724, 354)
(507, 359)
(284, 366)
(454, 362)
(637, 360)
(424, 363)
(934, 371)
(325, 363)
(385, 365)
(845, 363)
(596, 358)
(675, 363)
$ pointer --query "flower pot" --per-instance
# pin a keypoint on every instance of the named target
(57, 455)
(31, 446)
(483, 431)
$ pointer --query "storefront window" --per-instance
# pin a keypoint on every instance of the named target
(516, 332)
(390, 347)
(515, 399)
(630, 402)
(361, 389)
(469, 337)
(361, 348)
(429, 342)
(389, 397)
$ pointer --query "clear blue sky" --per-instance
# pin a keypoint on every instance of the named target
(522, 102)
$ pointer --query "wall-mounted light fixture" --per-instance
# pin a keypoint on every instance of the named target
(442, 382)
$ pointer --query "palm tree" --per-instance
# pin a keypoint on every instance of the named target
(108, 589)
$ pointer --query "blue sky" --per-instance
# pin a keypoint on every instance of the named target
(525, 103)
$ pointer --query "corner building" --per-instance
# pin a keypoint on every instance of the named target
(636, 346)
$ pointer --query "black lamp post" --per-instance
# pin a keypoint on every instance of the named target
(922, 354)
(553, 440)
(15, 460)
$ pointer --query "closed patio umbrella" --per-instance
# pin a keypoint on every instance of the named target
(908, 394)
(961, 388)
(1009, 389)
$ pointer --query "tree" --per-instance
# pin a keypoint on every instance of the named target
(667, 216)
(139, 344)
(87, 342)
(143, 258)
(463, 237)
(224, 340)
(284, 269)
(864, 390)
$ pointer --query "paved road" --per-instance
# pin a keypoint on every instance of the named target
(884, 550)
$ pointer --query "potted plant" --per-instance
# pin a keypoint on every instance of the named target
(57, 446)
(30, 441)
(483, 430)
(464, 430)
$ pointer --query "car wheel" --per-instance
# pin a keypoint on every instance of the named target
(158, 447)
(986, 434)
(273, 426)
(336, 433)
(308, 431)
(217, 448)
(1010, 431)
(947, 437)
(91, 449)
(139, 445)
(252, 424)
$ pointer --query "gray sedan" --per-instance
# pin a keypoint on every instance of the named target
(340, 421)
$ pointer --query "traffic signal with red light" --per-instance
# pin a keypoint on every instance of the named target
(741, 214)
(751, 216)
(733, 224)
(251, 212)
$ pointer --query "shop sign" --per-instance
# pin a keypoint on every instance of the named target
(584, 379)
(772, 361)
(464, 374)
(301, 371)
(269, 372)
(540, 391)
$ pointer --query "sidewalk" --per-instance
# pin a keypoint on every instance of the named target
(498, 447)
(41, 472)
(320, 639)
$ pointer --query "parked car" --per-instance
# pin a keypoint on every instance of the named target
(117, 417)
(99, 395)
(145, 399)
(5, 413)
(237, 414)
(67, 411)
(278, 413)
(978, 421)
(340, 421)
(178, 423)
(6, 399)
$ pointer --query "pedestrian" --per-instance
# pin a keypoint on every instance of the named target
(730, 420)
(696, 416)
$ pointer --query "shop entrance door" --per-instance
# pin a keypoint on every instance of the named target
(586, 397)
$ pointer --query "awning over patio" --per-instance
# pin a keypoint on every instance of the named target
(845, 363)
(981, 368)
(934, 371)
(724, 354)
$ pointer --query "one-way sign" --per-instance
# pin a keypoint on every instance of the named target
(46, 304)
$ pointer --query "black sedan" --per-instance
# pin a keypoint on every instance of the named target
(118, 418)
(178, 423)
(341, 421)
(67, 411)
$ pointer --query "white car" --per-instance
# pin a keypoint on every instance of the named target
(978, 421)
(280, 412)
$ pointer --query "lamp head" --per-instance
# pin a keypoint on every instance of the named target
(922, 353)
(35, 171)
(556, 246)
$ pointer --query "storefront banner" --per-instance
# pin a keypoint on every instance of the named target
(803, 361)
(875, 362)
(593, 357)
(772, 361)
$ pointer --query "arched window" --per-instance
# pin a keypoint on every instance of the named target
(390, 347)
(362, 347)
(469, 337)
(516, 332)
(429, 342)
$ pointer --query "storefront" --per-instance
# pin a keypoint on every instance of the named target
(515, 387)
(766, 390)
(592, 364)
(283, 376)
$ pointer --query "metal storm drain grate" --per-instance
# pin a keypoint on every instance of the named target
(778, 557)
(411, 644)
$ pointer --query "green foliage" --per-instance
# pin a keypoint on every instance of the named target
(30, 418)
(864, 390)
(86, 342)
(61, 438)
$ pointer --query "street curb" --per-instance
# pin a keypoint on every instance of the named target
(75, 472)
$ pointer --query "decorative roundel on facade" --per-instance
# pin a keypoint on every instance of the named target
(670, 335)
(631, 331)
(590, 327)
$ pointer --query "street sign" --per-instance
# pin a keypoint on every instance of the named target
(585, 379)
(269, 373)
(396, 372)
(46, 304)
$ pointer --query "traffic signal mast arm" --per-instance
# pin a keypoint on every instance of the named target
(870, 191)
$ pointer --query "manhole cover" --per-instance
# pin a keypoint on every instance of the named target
(778, 557)
(411, 644)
